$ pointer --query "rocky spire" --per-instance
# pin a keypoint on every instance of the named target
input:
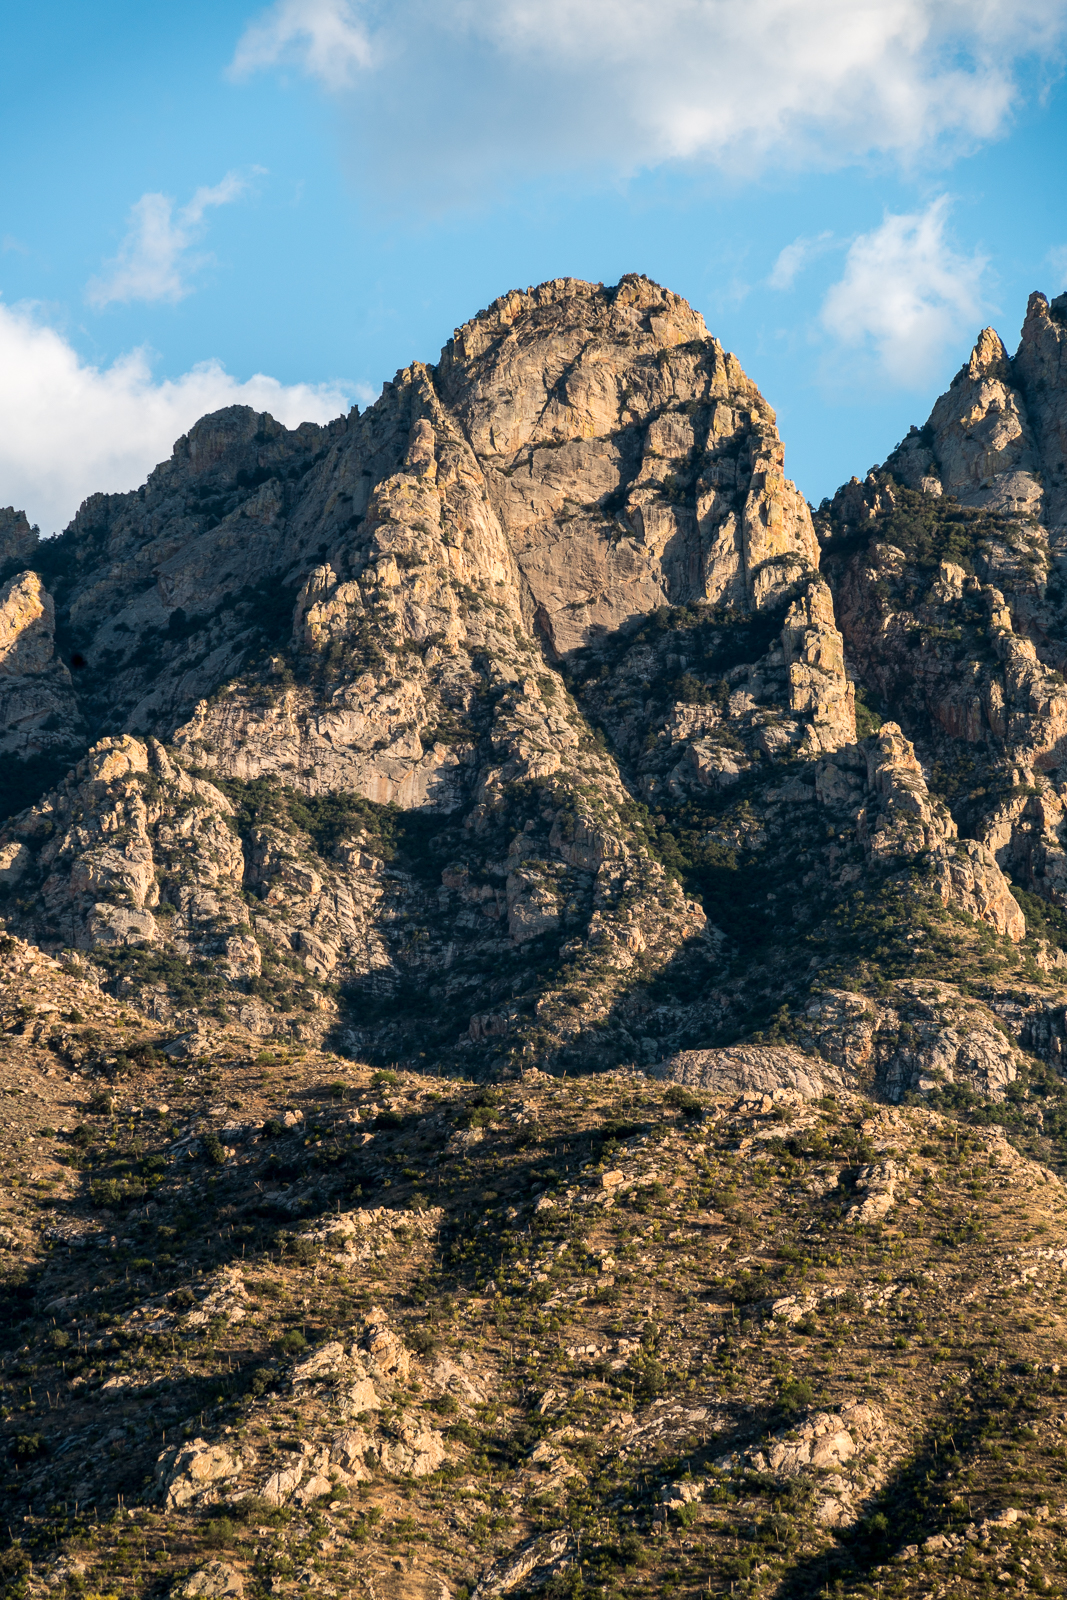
(18, 540)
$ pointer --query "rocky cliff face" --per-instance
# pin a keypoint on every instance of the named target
(515, 718)
(949, 580)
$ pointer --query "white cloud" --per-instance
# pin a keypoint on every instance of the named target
(446, 91)
(155, 259)
(1057, 260)
(68, 429)
(905, 296)
(795, 257)
(322, 35)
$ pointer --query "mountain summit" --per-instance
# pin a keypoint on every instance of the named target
(533, 818)
(346, 691)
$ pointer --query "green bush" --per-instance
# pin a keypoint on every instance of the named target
(423, 1343)
(648, 1375)
(795, 1394)
(214, 1150)
(107, 1192)
(683, 1100)
(867, 719)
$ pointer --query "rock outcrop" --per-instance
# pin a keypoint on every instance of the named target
(40, 713)
(18, 541)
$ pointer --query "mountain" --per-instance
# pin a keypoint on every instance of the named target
(516, 798)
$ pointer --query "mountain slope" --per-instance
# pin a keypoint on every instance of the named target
(541, 966)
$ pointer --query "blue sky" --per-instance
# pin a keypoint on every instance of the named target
(283, 204)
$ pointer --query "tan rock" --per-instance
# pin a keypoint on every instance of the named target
(387, 1355)
(217, 1581)
(27, 626)
(186, 1472)
(417, 1452)
(819, 690)
(349, 1452)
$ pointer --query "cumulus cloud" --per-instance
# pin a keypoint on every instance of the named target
(795, 257)
(905, 296)
(68, 429)
(625, 84)
(321, 36)
(156, 257)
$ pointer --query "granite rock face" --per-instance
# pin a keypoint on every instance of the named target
(516, 718)
(40, 711)
(947, 567)
(18, 541)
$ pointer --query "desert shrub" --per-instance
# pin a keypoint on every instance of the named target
(423, 1343)
(794, 1395)
(683, 1100)
(214, 1150)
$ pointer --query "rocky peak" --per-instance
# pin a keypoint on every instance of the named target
(427, 703)
(997, 439)
(1040, 366)
(397, 609)
(627, 455)
(18, 540)
(978, 444)
(989, 358)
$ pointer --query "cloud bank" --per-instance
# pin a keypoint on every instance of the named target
(156, 256)
(906, 296)
(626, 84)
(68, 429)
